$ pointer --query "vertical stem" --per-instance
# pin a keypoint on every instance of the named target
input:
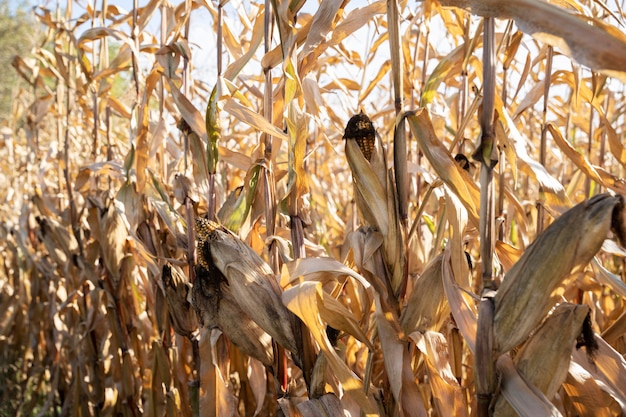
(604, 136)
(70, 91)
(269, 187)
(161, 93)
(135, 63)
(487, 150)
(425, 58)
(484, 360)
(501, 212)
(393, 20)
(94, 88)
(400, 143)
(542, 149)
(212, 197)
(464, 88)
(589, 146)
(191, 248)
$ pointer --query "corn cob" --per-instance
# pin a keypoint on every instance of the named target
(361, 129)
(565, 246)
(237, 292)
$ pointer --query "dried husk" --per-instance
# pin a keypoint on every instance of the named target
(176, 287)
(568, 244)
(544, 360)
(218, 308)
(427, 305)
(233, 278)
(375, 198)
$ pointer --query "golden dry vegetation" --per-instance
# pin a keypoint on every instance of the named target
(194, 223)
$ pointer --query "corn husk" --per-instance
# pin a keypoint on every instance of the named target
(176, 287)
(544, 360)
(237, 292)
(374, 193)
(567, 245)
(427, 305)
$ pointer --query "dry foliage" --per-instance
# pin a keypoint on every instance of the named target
(177, 245)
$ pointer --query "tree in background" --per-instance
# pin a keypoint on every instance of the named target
(17, 36)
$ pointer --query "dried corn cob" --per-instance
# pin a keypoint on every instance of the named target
(568, 244)
(361, 129)
(237, 292)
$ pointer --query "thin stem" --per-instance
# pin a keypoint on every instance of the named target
(485, 376)
(486, 149)
(589, 147)
(543, 148)
(269, 187)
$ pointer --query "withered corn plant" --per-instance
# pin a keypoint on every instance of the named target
(316, 208)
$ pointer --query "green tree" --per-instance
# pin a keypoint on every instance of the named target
(17, 36)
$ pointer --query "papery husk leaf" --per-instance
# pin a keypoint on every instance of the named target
(177, 290)
(303, 300)
(590, 41)
(529, 165)
(598, 174)
(588, 399)
(218, 307)
(253, 119)
(543, 361)
(326, 405)
(485, 374)
(427, 306)
(443, 163)
(527, 400)
(236, 208)
(215, 397)
(447, 393)
(606, 277)
(398, 364)
(569, 243)
(608, 367)
(114, 233)
(366, 244)
(370, 185)
(463, 314)
(60, 243)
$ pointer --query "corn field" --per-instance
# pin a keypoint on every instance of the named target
(316, 208)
